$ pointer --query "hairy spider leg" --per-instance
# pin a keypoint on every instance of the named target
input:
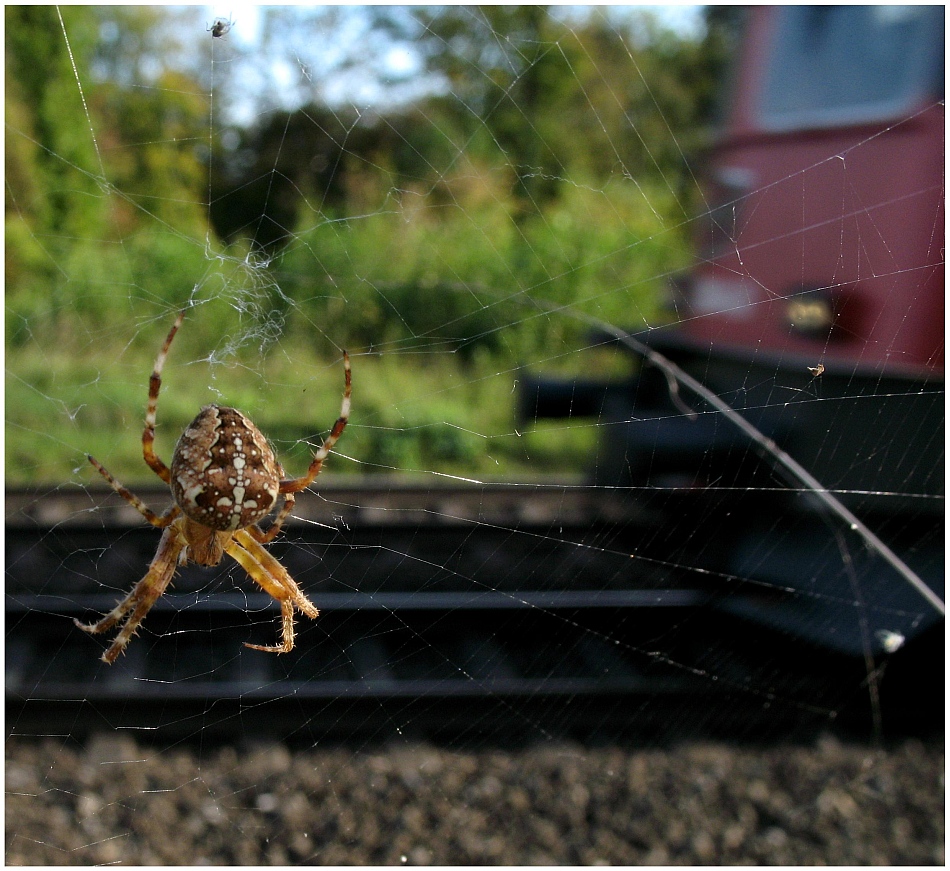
(276, 570)
(144, 594)
(273, 587)
(295, 485)
(161, 521)
(275, 580)
(154, 386)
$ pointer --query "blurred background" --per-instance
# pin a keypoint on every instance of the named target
(428, 186)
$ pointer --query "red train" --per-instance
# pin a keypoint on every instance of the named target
(824, 240)
(816, 310)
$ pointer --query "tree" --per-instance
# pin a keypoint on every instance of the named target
(90, 159)
(506, 73)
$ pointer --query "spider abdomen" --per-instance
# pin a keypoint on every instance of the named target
(224, 474)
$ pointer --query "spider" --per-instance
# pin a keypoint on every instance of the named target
(224, 479)
(221, 27)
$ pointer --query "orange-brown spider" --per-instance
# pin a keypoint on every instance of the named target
(224, 478)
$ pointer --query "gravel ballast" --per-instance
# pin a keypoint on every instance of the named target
(702, 803)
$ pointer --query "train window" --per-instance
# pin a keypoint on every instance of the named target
(834, 65)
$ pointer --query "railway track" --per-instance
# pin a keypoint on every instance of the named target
(443, 607)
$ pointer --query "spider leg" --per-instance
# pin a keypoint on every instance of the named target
(287, 631)
(272, 586)
(274, 568)
(144, 594)
(275, 580)
(161, 521)
(264, 536)
(295, 485)
(154, 386)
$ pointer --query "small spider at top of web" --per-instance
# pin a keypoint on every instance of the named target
(221, 27)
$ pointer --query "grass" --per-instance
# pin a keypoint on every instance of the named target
(438, 306)
(412, 414)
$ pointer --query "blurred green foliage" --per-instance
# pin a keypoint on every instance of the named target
(552, 170)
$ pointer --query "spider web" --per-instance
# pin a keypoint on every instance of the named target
(399, 183)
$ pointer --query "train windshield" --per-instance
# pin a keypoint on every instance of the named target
(834, 65)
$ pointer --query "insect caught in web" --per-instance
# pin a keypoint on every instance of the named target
(225, 479)
(220, 27)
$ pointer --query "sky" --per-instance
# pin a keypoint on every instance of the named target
(682, 17)
(299, 67)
